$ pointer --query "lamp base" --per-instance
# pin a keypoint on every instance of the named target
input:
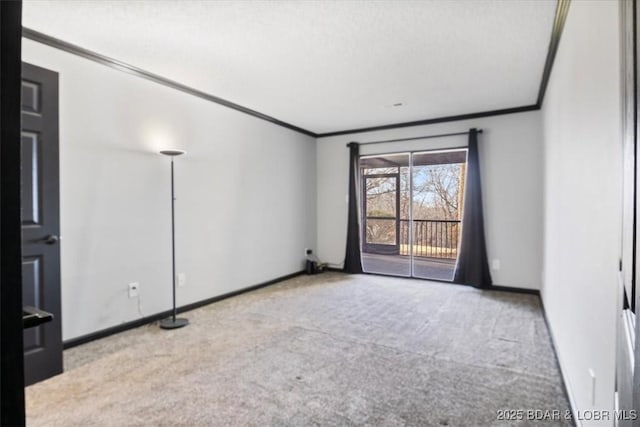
(171, 323)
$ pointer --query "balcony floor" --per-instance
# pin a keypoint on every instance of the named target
(400, 265)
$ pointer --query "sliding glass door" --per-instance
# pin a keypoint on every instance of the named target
(412, 207)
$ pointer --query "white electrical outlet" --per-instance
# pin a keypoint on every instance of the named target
(495, 264)
(134, 287)
(182, 280)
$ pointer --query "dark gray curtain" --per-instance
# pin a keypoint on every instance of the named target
(472, 267)
(352, 260)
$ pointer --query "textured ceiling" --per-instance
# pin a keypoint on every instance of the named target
(324, 65)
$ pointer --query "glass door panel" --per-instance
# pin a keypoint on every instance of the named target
(437, 198)
(385, 183)
(381, 207)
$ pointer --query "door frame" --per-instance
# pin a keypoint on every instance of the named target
(379, 248)
(636, 73)
(410, 227)
(627, 351)
(11, 330)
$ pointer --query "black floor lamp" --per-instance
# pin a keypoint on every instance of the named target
(172, 322)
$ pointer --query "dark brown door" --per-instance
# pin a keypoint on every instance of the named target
(41, 221)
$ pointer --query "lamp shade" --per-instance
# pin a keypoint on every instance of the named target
(172, 152)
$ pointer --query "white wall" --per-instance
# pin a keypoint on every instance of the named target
(511, 155)
(583, 152)
(246, 195)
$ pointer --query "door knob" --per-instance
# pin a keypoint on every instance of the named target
(51, 239)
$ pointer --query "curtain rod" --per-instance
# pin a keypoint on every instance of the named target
(417, 137)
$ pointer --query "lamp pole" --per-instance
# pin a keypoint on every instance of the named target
(173, 322)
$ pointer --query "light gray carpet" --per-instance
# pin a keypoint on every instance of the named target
(323, 350)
